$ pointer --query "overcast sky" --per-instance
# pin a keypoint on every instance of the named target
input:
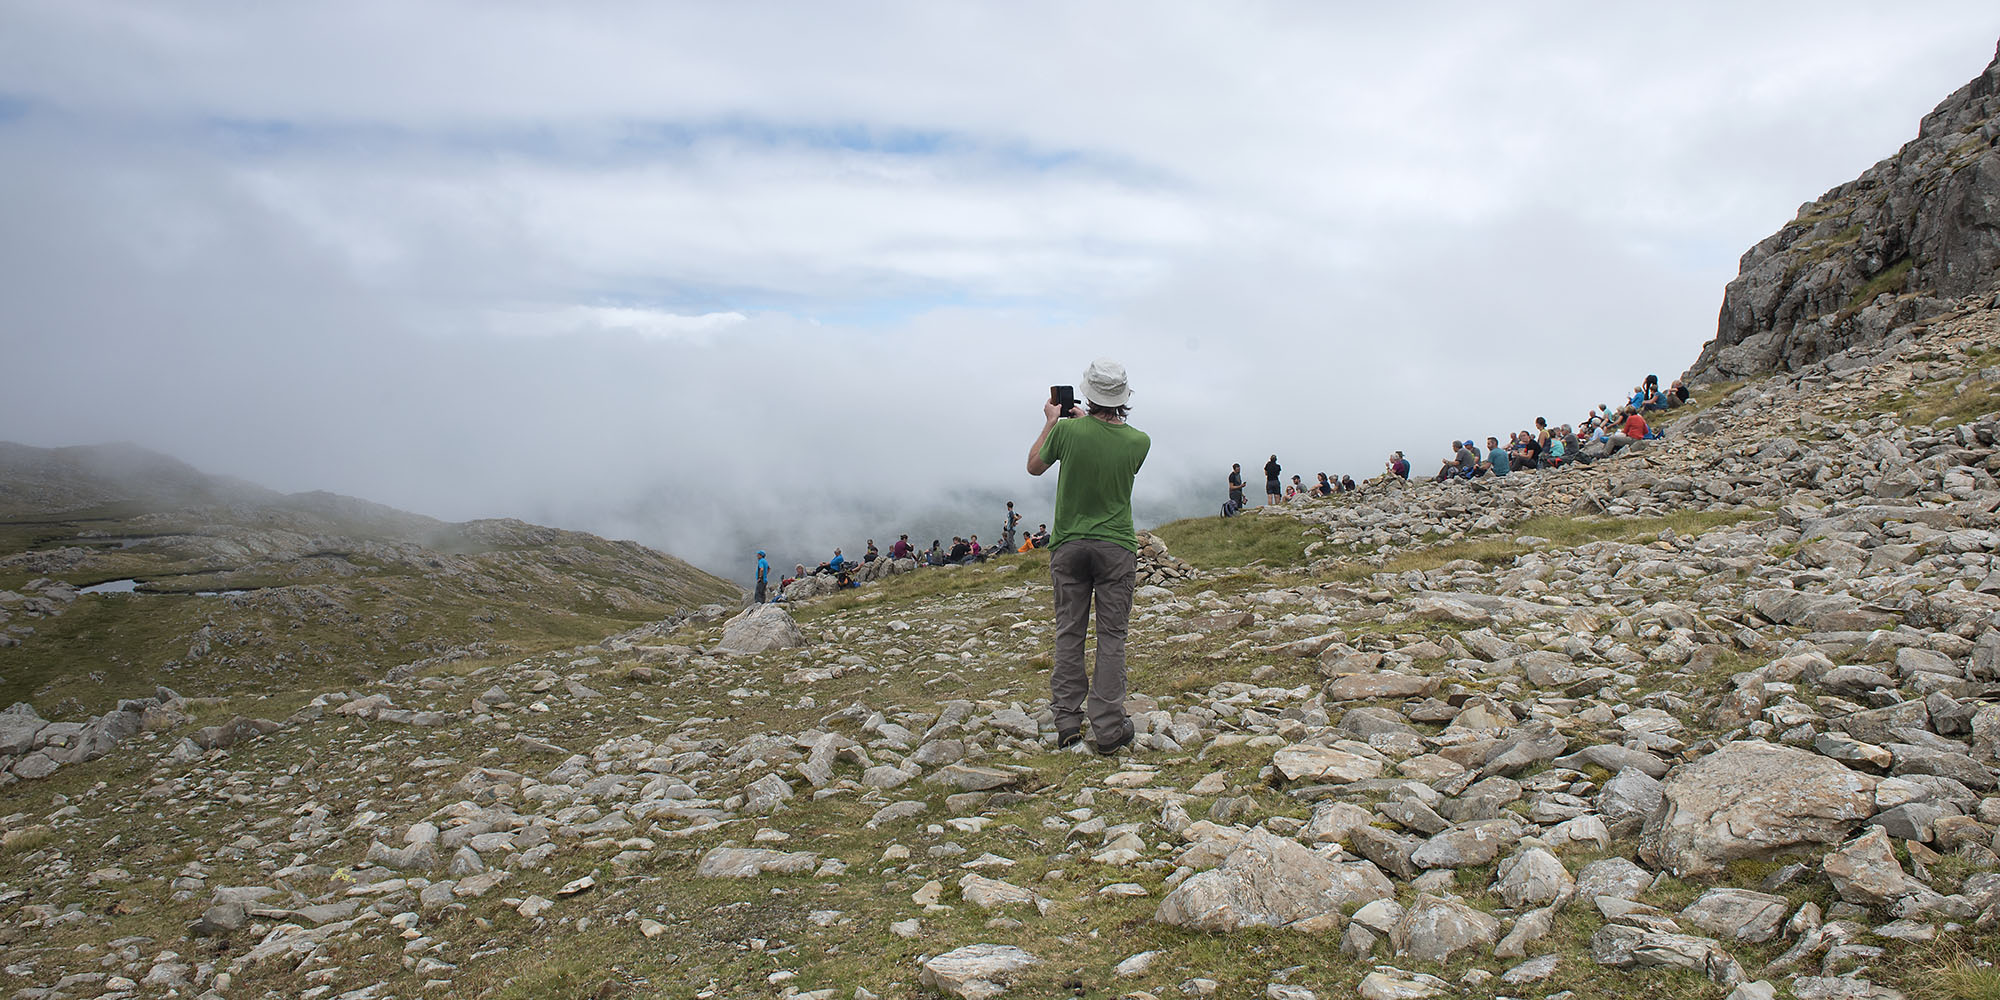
(721, 275)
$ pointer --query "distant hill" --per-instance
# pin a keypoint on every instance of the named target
(238, 589)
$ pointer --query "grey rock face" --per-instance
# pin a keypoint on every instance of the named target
(1874, 254)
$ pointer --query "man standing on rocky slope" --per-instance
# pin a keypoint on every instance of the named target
(1096, 551)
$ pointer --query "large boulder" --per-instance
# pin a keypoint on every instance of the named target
(18, 726)
(1751, 799)
(1738, 914)
(750, 862)
(1306, 762)
(977, 971)
(1435, 928)
(1866, 871)
(759, 628)
(1272, 881)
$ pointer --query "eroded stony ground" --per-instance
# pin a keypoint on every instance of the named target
(1716, 719)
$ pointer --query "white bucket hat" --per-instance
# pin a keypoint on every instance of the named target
(1104, 383)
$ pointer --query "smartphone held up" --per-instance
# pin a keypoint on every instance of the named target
(1064, 396)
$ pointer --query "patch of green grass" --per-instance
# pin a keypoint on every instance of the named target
(1698, 400)
(1892, 279)
(1950, 968)
(1562, 531)
(931, 582)
(1227, 542)
(1947, 404)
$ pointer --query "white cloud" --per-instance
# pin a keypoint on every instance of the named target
(825, 260)
(650, 323)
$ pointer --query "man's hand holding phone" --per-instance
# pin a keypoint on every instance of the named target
(1062, 402)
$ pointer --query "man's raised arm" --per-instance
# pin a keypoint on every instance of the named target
(1050, 413)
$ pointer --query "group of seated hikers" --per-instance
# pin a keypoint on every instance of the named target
(1603, 432)
(1325, 487)
(963, 552)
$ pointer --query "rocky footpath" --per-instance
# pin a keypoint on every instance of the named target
(1728, 726)
(1873, 261)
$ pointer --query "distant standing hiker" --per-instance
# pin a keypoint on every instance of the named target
(763, 575)
(1096, 551)
(1271, 470)
(1236, 497)
(1007, 527)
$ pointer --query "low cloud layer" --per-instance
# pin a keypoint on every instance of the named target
(716, 278)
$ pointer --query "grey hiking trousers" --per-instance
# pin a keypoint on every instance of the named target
(1086, 570)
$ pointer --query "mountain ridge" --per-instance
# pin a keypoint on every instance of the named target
(1873, 260)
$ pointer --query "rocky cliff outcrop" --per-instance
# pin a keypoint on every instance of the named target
(1873, 260)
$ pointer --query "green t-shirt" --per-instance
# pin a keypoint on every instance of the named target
(1094, 484)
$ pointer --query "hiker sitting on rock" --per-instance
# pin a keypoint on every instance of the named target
(1633, 429)
(1496, 459)
(871, 555)
(1552, 457)
(959, 552)
(1323, 488)
(1042, 537)
(900, 550)
(1450, 467)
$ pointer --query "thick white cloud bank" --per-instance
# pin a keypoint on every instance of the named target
(721, 276)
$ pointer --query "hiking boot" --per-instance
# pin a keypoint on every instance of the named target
(1124, 740)
(1066, 738)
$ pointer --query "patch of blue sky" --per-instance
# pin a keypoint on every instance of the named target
(13, 108)
(602, 145)
(674, 137)
(862, 312)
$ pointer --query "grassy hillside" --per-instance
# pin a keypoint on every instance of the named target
(291, 593)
